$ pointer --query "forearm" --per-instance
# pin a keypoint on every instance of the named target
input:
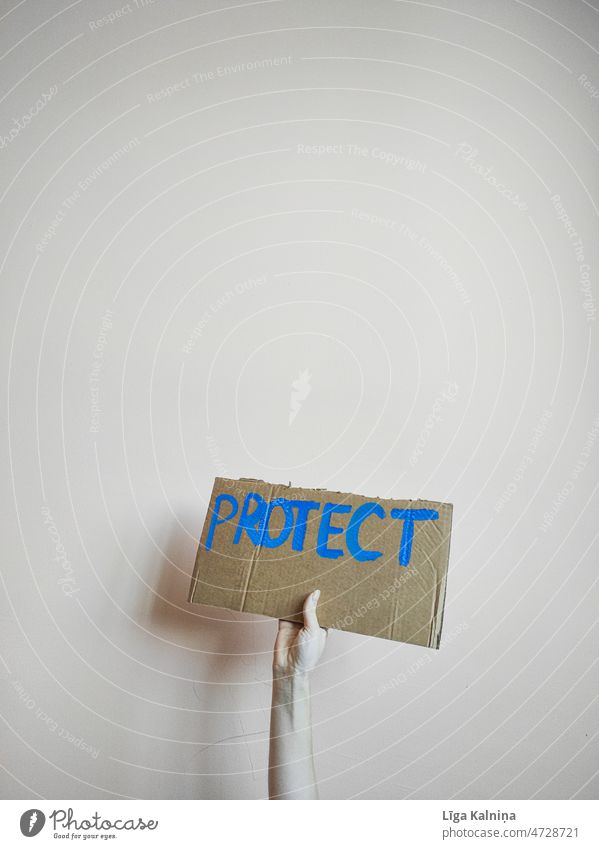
(291, 766)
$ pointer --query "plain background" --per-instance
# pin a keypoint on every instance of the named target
(213, 205)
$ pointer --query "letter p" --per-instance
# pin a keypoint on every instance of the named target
(216, 517)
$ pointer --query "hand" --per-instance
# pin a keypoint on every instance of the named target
(298, 648)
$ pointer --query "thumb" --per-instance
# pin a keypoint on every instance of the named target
(310, 617)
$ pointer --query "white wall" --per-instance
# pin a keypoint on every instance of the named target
(129, 297)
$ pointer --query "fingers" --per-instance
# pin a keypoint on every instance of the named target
(310, 617)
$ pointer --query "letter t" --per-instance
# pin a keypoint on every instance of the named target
(407, 534)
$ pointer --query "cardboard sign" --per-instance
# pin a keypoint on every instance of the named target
(381, 565)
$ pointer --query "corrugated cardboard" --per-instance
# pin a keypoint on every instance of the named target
(382, 571)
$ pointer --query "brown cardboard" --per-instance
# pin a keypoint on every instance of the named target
(365, 589)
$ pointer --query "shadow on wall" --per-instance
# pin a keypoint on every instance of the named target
(169, 611)
(230, 668)
(196, 626)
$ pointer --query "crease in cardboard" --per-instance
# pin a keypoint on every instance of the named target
(395, 624)
(255, 553)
